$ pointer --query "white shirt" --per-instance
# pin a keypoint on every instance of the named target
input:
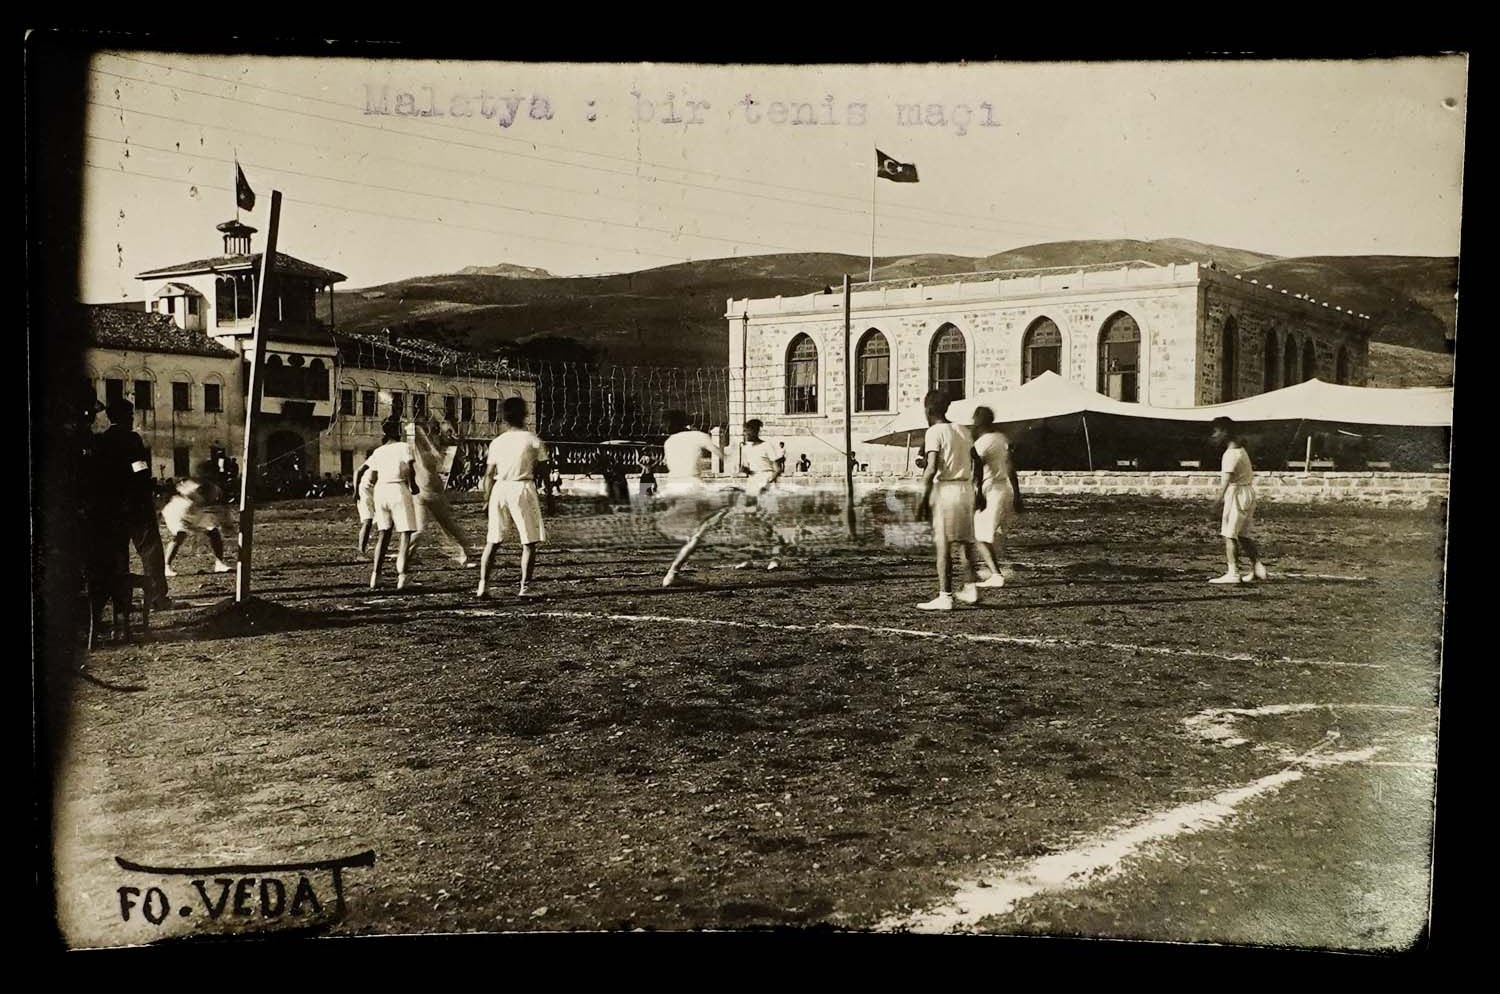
(759, 458)
(1237, 466)
(683, 451)
(994, 450)
(950, 446)
(387, 461)
(514, 454)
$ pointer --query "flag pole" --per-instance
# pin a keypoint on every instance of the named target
(848, 422)
(874, 185)
(260, 338)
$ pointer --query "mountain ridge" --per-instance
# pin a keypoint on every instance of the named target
(673, 315)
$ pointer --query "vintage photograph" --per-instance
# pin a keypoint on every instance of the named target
(986, 498)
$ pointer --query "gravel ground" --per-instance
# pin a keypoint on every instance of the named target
(791, 748)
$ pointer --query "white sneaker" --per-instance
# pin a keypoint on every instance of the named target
(773, 565)
(169, 571)
(527, 593)
(744, 565)
(993, 580)
(403, 581)
(1260, 570)
(1226, 578)
(220, 566)
(482, 591)
(670, 579)
(968, 593)
(942, 602)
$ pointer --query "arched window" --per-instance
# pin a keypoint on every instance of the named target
(1120, 358)
(1228, 360)
(1309, 360)
(1341, 366)
(1271, 368)
(224, 299)
(802, 376)
(1041, 349)
(317, 380)
(1289, 362)
(872, 366)
(949, 356)
(245, 295)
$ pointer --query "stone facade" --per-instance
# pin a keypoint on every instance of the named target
(1181, 312)
(176, 438)
(354, 434)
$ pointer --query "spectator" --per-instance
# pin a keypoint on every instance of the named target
(124, 467)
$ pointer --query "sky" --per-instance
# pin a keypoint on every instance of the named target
(392, 169)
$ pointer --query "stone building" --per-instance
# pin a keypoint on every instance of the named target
(1170, 336)
(182, 360)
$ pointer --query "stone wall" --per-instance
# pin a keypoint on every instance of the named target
(1382, 489)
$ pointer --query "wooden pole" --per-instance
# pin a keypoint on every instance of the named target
(744, 377)
(874, 185)
(259, 339)
(1088, 444)
(1307, 465)
(848, 421)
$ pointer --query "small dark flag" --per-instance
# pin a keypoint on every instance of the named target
(244, 197)
(897, 172)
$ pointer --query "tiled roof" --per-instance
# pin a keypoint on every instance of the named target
(284, 264)
(143, 331)
(418, 356)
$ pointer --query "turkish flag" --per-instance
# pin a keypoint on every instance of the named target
(897, 172)
(244, 197)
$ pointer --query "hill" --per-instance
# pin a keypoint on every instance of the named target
(1399, 366)
(1410, 299)
(674, 315)
(506, 269)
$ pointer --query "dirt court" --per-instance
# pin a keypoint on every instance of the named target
(1107, 746)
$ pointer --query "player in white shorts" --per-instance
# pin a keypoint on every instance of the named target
(683, 451)
(949, 496)
(510, 493)
(364, 501)
(1001, 491)
(1237, 505)
(764, 466)
(432, 502)
(392, 483)
(191, 509)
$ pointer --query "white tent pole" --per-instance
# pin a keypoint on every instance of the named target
(1307, 460)
(1089, 445)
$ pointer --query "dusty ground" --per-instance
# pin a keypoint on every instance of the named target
(792, 748)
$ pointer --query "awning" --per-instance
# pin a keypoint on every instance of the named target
(1050, 396)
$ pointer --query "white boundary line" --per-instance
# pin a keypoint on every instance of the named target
(1101, 857)
(1218, 724)
(834, 626)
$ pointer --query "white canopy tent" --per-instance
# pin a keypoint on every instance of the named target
(1050, 396)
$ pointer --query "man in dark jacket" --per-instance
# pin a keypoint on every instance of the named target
(123, 467)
